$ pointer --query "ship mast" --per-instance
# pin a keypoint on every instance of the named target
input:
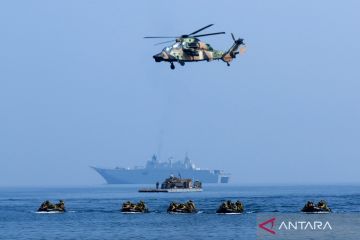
(160, 144)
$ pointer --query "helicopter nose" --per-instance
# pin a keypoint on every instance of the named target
(158, 57)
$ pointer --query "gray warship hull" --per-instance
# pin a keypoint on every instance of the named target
(151, 176)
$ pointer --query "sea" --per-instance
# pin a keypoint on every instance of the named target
(93, 212)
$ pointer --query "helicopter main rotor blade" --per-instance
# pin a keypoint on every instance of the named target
(160, 37)
(208, 34)
(164, 42)
(232, 35)
(200, 29)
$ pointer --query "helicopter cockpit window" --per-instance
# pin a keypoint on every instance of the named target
(177, 45)
(167, 49)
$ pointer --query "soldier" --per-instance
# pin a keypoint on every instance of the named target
(225, 205)
(309, 207)
(233, 206)
(60, 206)
(239, 206)
(181, 206)
(140, 206)
(44, 206)
(126, 206)
(322, 205)
(132, 206)
(172, 207)
(191, 206)
(229, 204)
(50, 205)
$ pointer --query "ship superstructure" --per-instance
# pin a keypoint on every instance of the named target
(155, 171)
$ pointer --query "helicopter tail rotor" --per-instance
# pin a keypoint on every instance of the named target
(232, 35)
(237, 47)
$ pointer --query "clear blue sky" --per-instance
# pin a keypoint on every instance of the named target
(79, 87)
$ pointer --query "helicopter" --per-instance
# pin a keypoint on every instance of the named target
(188, 48)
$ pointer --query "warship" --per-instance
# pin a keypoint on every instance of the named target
(156, 171)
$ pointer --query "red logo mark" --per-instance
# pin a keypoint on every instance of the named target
(263, 225)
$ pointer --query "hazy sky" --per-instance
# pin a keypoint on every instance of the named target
(79, 88)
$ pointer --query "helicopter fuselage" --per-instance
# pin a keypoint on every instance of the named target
(188, 50)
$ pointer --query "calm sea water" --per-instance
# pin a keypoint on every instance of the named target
(93, 212)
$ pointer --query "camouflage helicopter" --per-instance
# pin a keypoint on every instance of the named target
(188, 48)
